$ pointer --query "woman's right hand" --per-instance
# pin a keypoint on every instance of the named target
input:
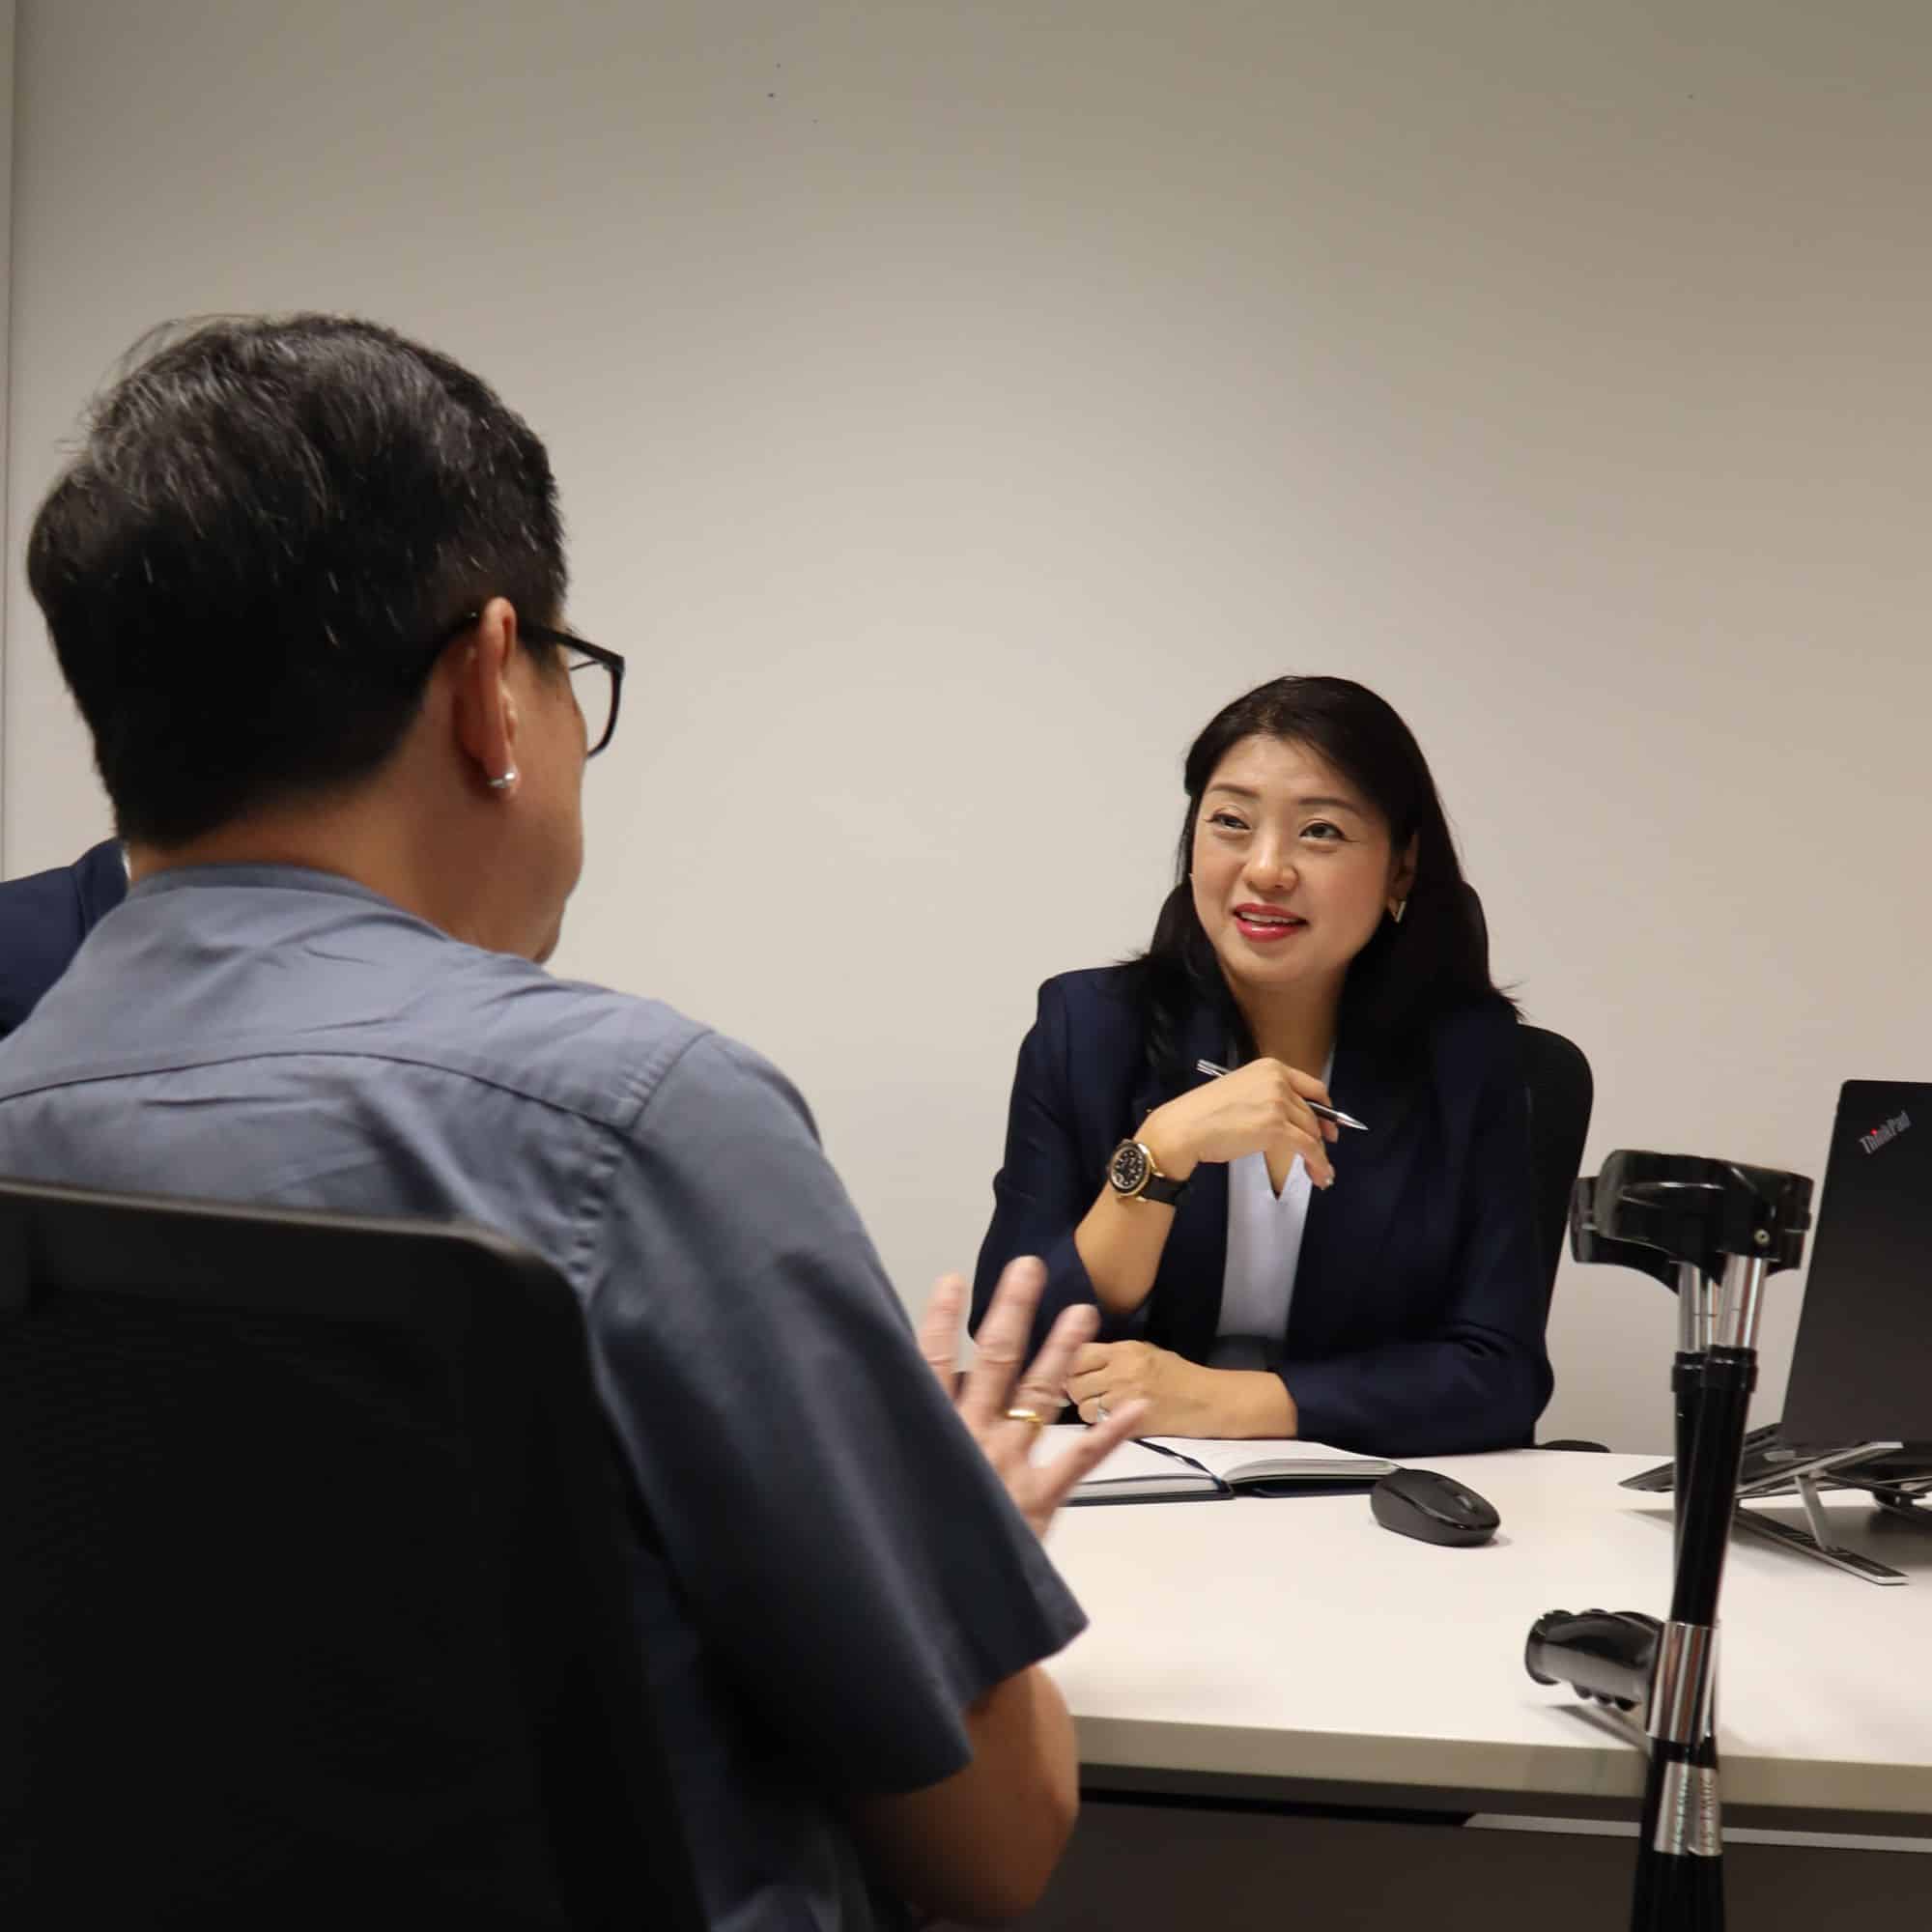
(1260, 1108)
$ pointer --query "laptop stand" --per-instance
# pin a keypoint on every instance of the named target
(1818, 1541)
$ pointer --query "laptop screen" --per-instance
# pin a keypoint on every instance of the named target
(1861, 1368)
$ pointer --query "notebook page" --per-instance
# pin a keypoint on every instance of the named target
(1227, 1460)
(1128, 1463)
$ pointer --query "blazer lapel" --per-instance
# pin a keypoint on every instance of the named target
(1348, 1224)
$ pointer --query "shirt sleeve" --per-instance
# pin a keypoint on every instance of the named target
(841, 1541)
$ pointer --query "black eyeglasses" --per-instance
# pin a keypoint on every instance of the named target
(597, 698)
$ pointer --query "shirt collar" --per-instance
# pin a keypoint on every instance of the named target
(286, 878)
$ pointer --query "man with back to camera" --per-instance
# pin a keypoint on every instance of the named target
(305, 579)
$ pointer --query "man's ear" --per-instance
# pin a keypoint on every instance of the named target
(482, 708)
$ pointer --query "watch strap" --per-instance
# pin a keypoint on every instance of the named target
(1159, 1187)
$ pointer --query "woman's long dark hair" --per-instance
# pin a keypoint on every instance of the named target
(1437, 957)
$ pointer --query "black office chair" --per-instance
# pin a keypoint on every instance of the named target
(1562, 1092)
(1558, 1077)
(313, 1609)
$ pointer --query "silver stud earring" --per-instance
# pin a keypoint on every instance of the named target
(504, 782)
(1397, 907)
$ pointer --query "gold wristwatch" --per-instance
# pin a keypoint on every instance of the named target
(1135, 1175)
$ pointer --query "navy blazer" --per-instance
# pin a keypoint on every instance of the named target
(1417, 1319)
(43, 919)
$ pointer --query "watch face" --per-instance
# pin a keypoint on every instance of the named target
(1128, 1169)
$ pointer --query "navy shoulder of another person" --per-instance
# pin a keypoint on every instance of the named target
(44, 917)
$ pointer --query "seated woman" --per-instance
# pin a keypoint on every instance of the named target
(1260, 1272)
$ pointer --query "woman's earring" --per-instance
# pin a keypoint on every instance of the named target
(507, 782)
(1397, 907)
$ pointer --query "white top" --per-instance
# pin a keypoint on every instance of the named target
(1331, 1650)
(1264, 1232)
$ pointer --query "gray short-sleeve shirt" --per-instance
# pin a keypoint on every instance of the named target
(841, 1573)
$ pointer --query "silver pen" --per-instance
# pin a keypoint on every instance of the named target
(1315, 1107)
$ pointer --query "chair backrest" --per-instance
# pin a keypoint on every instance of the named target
(312, 1582)
(1560, 1089)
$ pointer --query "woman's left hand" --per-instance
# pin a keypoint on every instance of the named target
(1182, 1398)
(1109, 1375)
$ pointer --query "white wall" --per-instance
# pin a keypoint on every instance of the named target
(954, 404)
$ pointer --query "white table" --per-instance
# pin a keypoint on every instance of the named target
(1278, 1695)
(1296, 1645)
(1264, 1656)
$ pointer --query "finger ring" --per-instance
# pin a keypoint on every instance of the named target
(1099, 1411)
(1031, 1416)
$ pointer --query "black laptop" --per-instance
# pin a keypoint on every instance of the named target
(1861, 1367)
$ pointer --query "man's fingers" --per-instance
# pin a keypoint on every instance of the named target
(939, 1328)
(1060, 1476)
(1002, 1338)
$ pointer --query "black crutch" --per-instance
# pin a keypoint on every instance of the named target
(1714, 1230)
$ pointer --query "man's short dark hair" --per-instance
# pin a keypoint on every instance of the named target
(246, 567)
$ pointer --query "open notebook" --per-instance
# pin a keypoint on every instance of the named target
(1167, 1468)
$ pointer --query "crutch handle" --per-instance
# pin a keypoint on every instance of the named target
(1607, 1655)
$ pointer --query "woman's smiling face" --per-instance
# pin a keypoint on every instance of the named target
(1291, 867)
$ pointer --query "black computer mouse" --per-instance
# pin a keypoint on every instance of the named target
(1435, 1508)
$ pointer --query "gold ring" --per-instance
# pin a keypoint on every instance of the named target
(1031, 1416)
